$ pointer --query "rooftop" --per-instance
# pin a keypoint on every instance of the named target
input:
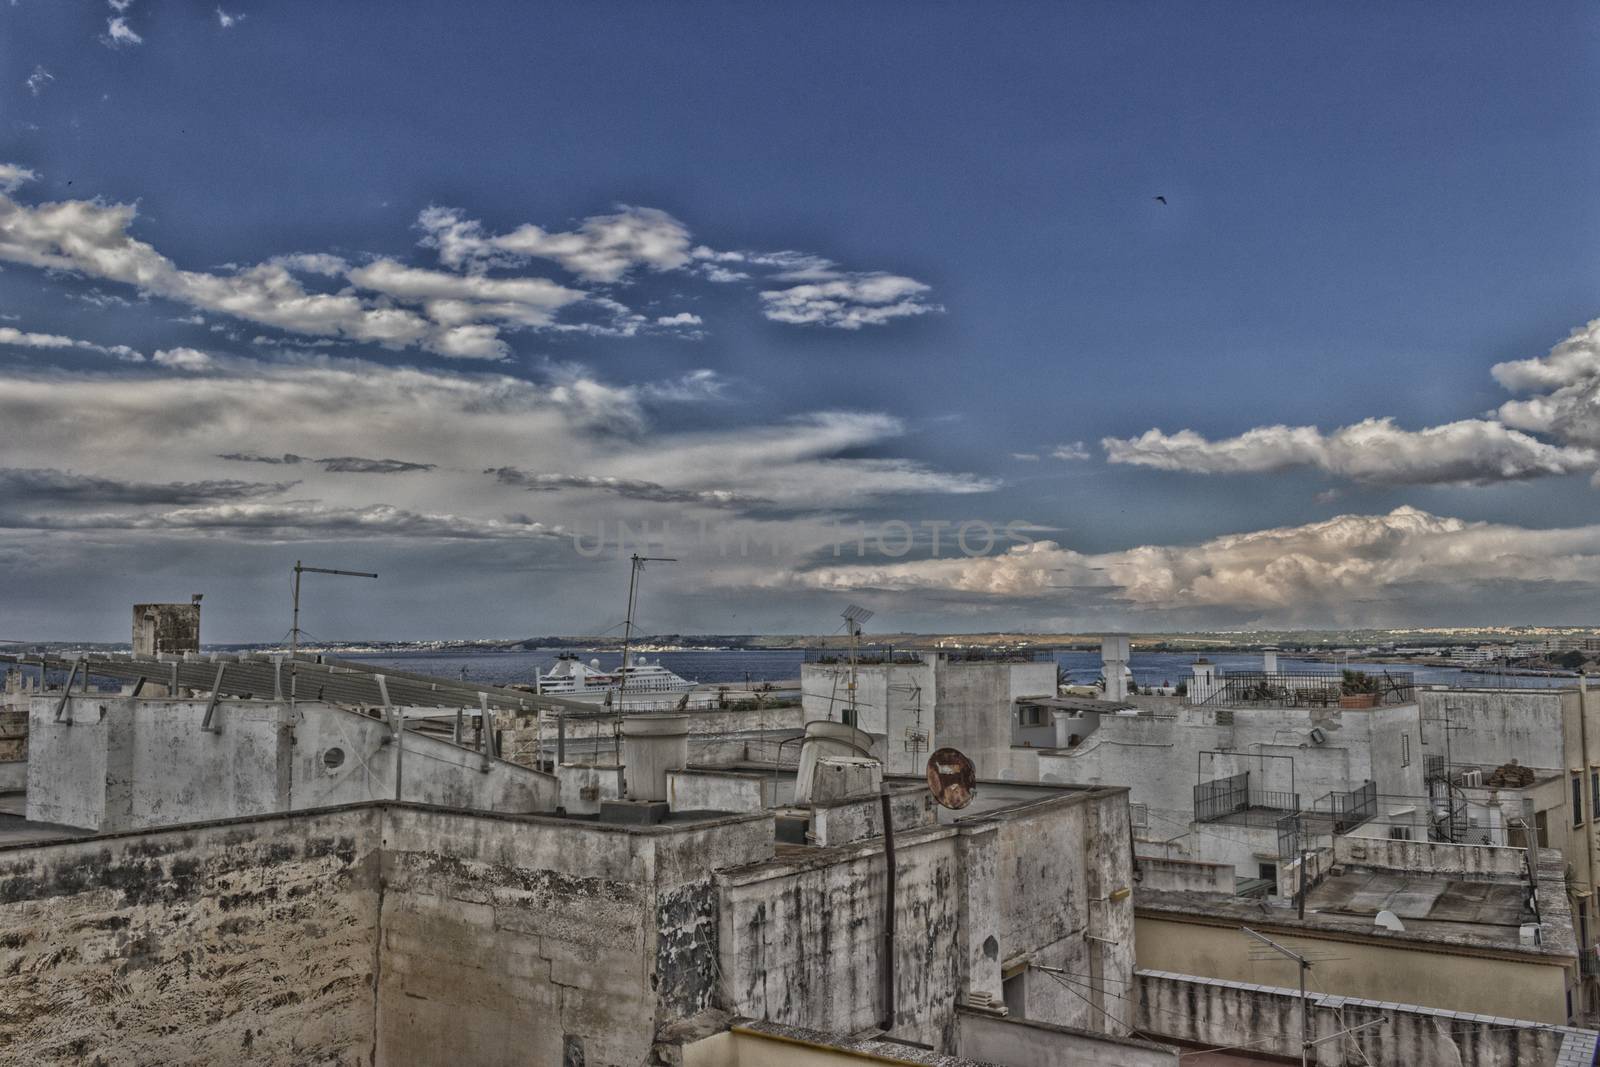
(1438, 909)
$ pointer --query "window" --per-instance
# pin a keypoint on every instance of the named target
(1399, 833)
(1405, 750)
(848, 716)
(1594, 788)
(1541, 828)
(1030, 715)
(1269, 871)
(1577, 800)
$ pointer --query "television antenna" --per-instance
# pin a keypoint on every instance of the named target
(294, 627)
(854, 616)
(1275, 951)
(638, 563)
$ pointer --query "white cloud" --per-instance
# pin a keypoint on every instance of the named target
(313, 263)
(119, 34)
(226, 20)
(1373, 451)
(10, 335)
(12, 177)
(455, 299)
(1072, 452)
(848, 303)
(603, 248)
(185, 359)
(1567, 381)
(120, 5)
(36, 83)
(1337, 569)
(1564, 406)
(682, 318)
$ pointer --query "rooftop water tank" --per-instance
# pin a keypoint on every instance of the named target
(826, 738)
(652, 745)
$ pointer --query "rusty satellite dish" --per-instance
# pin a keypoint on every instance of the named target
(951, 778)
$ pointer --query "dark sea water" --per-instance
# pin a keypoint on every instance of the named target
(1149, 668)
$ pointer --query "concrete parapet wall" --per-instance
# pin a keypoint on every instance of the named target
(1220, 1014)
(1021, 1043)
(1157, 872)
(696, 789)
(858, 818)
(1430, 857)
(122, 762)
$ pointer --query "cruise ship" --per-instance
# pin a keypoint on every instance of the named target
(641, 679)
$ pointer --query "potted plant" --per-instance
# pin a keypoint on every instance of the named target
(1358, 690)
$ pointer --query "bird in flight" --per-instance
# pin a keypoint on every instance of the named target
(1161, 198)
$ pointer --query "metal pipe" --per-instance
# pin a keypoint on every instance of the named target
(888, 908)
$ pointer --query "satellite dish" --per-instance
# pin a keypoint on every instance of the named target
(1388, 920)
(951, 779)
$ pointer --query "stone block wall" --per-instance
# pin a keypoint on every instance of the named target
(227, 943)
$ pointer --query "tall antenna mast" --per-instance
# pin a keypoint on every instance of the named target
(294, 627)
(854, 616)
(627, 624)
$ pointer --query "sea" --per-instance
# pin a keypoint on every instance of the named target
(721, 666)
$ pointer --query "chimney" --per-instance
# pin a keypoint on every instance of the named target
(1113, 658)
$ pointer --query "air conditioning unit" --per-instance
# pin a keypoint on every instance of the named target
(1472, 778)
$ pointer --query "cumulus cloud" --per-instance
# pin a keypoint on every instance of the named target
(1373, 451)
(13, 176)
(1564, 405)
(602, 248)
(848, 303)
(1072, 453)
(682, 318)
(457, 299)
(1566, 384)
(10, 335)
(186, 359)
(1331, 570)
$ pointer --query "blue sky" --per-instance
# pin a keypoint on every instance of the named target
(736, 269)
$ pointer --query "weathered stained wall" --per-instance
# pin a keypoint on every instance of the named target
(1060, 863)
(1431, 857)
(243, 942)
(531, 941)
(1222, 1014)
(801, 940)
(408, 934)
(166, 628)
(116, 763)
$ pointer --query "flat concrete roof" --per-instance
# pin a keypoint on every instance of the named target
(1436, 910)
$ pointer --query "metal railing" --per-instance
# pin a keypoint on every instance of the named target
(1351, 808)
(1311, 689)
(1232, 798)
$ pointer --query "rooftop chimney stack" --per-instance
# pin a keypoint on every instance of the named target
(1113, 659)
